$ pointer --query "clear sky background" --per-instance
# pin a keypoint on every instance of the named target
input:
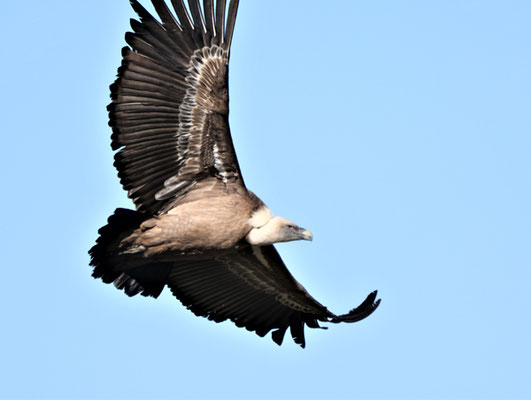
(399, 132)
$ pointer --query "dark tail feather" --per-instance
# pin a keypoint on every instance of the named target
(122, 269)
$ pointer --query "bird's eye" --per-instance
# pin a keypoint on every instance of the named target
(290, 226)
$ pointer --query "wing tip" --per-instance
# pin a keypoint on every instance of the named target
(366, 308)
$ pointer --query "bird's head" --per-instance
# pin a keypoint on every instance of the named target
(276, 230)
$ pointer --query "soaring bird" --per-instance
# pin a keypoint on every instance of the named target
(197, 229)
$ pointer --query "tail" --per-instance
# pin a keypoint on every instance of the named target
(127, 272)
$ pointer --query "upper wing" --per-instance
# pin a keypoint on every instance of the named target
(169, 110)
(253, 288)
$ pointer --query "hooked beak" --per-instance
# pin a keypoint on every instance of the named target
(305, 234)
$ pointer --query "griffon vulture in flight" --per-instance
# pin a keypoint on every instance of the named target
(197, 229)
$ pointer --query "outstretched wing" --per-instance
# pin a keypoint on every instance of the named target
(249, 285)
(169, 110)
(253, 288)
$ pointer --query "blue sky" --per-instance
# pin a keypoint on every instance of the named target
(398, 132)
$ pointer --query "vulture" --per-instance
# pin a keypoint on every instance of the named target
(196, 229)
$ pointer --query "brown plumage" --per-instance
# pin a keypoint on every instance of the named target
(197, 229)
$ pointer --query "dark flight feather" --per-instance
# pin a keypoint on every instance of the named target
(208, 6)
(167, 18)
(182, 13)
(220, 23)
(231, 21)
(197, 17)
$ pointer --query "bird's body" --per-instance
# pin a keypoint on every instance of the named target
(197, 228)
(201, 223)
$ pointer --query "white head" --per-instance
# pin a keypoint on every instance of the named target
(277, 229)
